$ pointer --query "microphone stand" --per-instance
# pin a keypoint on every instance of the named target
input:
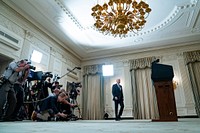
(68, 72)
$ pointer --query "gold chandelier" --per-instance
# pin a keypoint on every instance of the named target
(118, 17)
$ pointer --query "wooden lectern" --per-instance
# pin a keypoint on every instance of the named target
(162, 76)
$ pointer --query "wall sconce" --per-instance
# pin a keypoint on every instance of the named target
(175, 83)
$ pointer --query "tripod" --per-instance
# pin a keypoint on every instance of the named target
(74, 101)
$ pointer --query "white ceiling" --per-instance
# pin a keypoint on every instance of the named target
(171, 23)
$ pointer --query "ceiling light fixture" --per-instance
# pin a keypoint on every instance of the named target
(118, 17)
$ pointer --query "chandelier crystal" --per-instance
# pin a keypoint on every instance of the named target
(118, 17)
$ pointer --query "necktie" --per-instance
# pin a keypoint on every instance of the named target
(119, 86)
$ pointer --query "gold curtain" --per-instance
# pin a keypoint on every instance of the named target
(143, 92)
(141, 63)
(192, 60)
(192, 56)
(92, 69)
(93, 93)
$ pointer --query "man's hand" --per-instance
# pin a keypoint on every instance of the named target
(73, 105)
(116, 98)
(26, 66)
(32, 93)
(62, 115)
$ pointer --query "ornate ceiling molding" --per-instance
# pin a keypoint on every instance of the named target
(173, 16)
(69, 14)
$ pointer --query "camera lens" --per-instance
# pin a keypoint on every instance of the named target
(32, 67)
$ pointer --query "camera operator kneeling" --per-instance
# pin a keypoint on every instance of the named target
(49, 108)
(66, 107)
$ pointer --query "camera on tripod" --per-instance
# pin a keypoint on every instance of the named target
(74, 91)
(46, 75)
(39, 75)
(36, 92)
(75, 85)
(56, 78)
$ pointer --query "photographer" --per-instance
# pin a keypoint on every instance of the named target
(34, 91)
(47, 84)
(42, 82)
(49, 108)
(74, 92)
(55, 86)
(66, 107)
(19, 90)
(12, 73)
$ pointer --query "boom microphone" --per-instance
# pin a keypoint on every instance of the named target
(79, 68)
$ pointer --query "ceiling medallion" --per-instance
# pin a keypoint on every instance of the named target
(118, 17)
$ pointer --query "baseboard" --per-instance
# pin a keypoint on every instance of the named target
(131, 118)
(188, 116)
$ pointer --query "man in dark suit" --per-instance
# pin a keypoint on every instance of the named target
(118, 98)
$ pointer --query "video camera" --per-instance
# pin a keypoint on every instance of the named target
(56, 78)
(39, 75)
(75, 85)
(47, 74)
(74, 91)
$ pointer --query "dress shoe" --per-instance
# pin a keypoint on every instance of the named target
(117, 119)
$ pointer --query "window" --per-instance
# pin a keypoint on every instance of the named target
(36, 56)
(108, 70)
